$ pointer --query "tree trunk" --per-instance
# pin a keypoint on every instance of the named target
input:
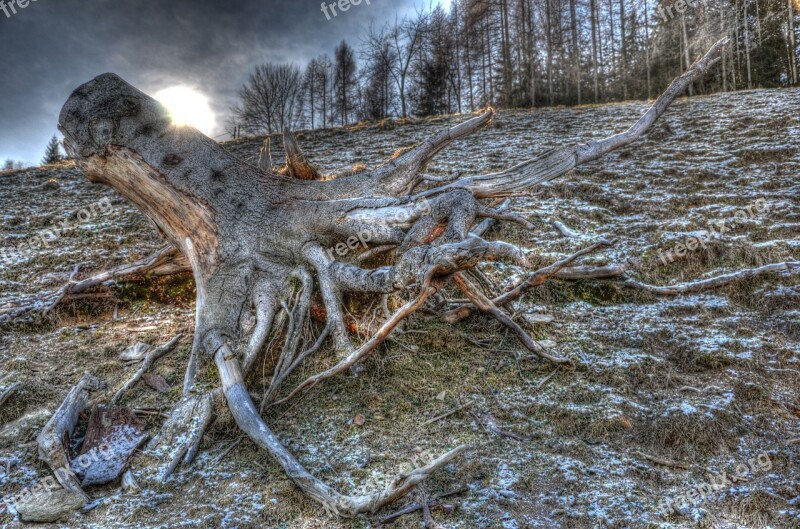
(257, 241)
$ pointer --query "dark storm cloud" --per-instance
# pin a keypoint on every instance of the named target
(52, 46)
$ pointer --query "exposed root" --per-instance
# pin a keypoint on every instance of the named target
(242, 252)
(370, 345)
(180, 436)
(714, 282)
(166, 261)
(485, 304)
(249, 420)
(534, 280)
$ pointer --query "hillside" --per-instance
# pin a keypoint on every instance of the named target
(710, 380)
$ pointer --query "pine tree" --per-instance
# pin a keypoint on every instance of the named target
(53, 152)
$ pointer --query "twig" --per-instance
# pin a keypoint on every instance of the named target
(427, 517)
(662, 462)
(414, 507)
(149, 360)
(447, 414)
(63, 292)
(546, 379)
(486, 305)
(225, 452)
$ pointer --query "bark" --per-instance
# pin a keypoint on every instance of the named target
(257, 241)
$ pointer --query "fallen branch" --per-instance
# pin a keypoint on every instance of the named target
(714, 282)
(414, 507)
(149, 360)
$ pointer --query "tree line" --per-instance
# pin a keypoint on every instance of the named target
(519, 53)
(523, 53)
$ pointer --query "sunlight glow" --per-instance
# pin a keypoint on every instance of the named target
(188, 107)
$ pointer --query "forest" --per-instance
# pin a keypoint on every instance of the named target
(521, 54)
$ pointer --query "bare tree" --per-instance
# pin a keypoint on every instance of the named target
(271, 99)
(345, 82)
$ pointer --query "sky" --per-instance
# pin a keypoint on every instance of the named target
(50, 47)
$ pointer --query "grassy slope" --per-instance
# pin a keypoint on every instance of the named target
(684, 378)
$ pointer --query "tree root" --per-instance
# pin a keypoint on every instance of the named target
(268, 252)
(166, 261)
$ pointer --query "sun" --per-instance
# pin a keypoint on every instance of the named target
(188, 107)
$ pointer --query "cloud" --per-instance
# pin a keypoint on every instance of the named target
(52, 46)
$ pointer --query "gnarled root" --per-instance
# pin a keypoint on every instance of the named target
(249, 420)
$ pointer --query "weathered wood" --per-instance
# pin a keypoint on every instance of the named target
(54, 438)
(258, 241)
(112, 437)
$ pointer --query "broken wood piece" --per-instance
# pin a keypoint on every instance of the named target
(661, 461)
(414, 507)
(9, 391)
(149, 360)
(51, 439)
(113, 435)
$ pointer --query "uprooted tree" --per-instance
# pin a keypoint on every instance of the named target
(256, 242)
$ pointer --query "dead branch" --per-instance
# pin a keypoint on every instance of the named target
(148, 362)
(414, 507)
(714, 282)
(486, 305)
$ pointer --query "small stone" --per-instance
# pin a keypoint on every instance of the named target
(441, 396)
(156, 382)
(48, 507)
(538, 318)
(129, 483)
(360, 420)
